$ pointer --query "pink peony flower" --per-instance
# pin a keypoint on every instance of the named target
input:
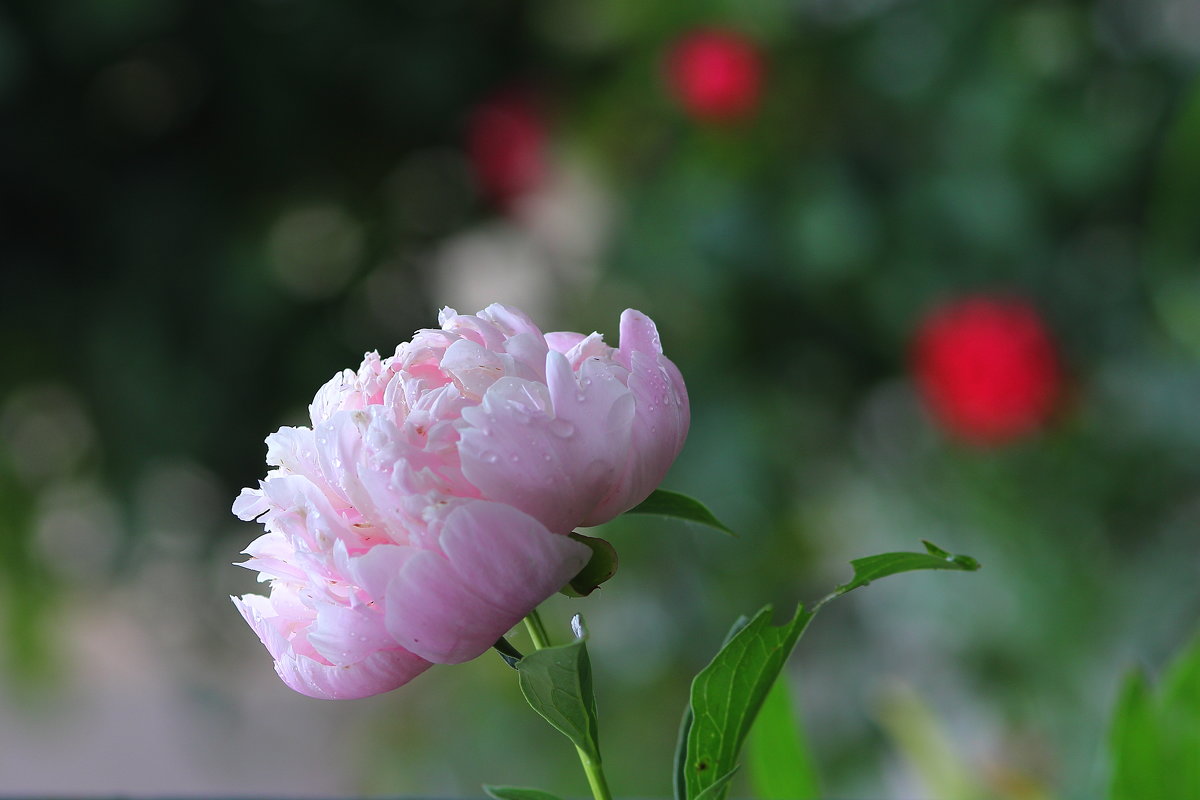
(425, 512)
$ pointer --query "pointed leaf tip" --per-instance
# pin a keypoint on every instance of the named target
(964, 562)
(664, 503)
(873, 568)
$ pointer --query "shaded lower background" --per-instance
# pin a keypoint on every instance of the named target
(929, 269)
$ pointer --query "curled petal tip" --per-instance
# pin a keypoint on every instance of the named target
(639, 333)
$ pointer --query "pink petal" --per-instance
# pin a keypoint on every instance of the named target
(346, 635)
(259, 614)
(562, 341)
(528, 356)
(660, 427)
(511, 321)
(498, 565)
(472, 367)
(639, 333)
(554, 452)
(250, 504)
(380, 672)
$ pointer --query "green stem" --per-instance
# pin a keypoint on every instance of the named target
(537, 630)
(593, 770)
(595, 776)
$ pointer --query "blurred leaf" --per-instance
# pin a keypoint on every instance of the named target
(1172, 239)
(673, 504)
(1155, 736)
(781, 766)
(1172, 230)
(557, 683)
(924, 744)
(600, 567)
(517, 793)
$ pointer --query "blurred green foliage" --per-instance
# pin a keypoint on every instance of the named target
(208, 208)
(1156, 733)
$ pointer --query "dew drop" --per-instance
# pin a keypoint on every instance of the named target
(561, 428)
(491, 458)
(514, 458)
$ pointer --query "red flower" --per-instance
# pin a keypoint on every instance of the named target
(987, 368)
(506, 143)
(716, 75)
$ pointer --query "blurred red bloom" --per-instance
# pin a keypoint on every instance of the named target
(715, 74)
(506, 144)
(987, 368)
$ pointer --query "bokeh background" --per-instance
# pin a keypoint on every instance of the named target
(930, 270)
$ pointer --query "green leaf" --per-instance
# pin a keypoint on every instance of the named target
(557, 683)
(679, 784)
(1156, 734)
(727, 694)
(678, 779)
(719, 786)
(517, 793)
(673, 504)
(781, 766)
(600, 567)
(1134, 741)
(872, 568)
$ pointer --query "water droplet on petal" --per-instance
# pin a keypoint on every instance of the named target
(562, 428)
(491, 458)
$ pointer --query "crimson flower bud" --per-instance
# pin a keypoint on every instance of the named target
(715, 74)
(987, 369)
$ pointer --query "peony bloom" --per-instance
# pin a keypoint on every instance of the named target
(987, 368)
(426, 510)
(716, 75)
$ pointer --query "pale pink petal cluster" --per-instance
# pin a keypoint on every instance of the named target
(425, 512)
